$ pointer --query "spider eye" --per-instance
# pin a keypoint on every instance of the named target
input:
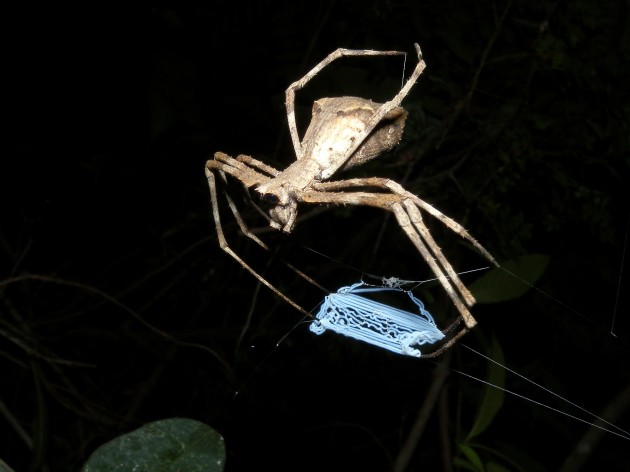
(270, 198)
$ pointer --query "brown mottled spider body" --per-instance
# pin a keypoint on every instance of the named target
(344, 132)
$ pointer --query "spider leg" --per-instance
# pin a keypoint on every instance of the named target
(239, 168)
(387, 184)
(247, 232)
(416, 219)
(406, 209)
(329, 193)
(261, 166)
(409, 224)
(447, 345)
(241, 223)
(223, 244)
(225, 164)
(297, 85)
(448, 222)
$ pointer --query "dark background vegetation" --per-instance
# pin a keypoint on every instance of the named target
(117, 306)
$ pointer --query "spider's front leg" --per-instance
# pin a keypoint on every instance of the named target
(246, 170)
(299, 84)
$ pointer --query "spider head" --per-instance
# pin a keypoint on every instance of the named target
(282, 212)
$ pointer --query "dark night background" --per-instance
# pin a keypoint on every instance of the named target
(117, 306)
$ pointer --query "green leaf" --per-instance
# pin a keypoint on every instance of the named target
(510, 281)
(492, 397)
(474, 461)
(169, 445)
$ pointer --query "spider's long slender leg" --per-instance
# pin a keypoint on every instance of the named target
(224, 245)
(404, 206)
(397, 100)
(247, 232)
(261, 166)
(447, 345)
(297, 85)
(446, 221)
(242, 225)
(416, 219)
(243, 169)
(235, 167)
(381, 184)
(406, 224)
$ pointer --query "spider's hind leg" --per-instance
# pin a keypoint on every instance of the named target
(445, 220)
(425, 234)
(447, 345)
(407, 215)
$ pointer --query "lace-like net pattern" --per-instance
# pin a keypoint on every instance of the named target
(347, 312)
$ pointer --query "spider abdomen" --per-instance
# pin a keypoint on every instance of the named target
(338, 130)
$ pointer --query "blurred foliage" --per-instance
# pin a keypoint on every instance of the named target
(117, 307)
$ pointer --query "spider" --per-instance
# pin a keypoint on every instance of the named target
(344, 132)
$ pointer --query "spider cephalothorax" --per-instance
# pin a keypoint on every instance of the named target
(344, 132)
